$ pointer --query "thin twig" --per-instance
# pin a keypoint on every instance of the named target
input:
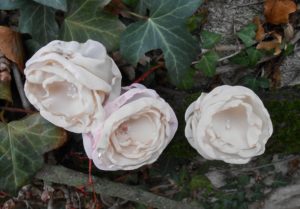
(136, 15)
(148, 72)
(229, 56)
(25, 103)
(62, 175)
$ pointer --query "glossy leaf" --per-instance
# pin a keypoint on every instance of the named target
(208, 63)
(56, 4)
(39, 21)
(11, 4)
(164, 29)
(247, 34)
(22, 145)
(86, 20)
(209, 39)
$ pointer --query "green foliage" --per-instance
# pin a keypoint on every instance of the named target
(194, 21)
(39, 21)
(131, 2)
(208, 63)
(289, 50)
(187, 81)
(209, 39)
(56, 4)
(85, 21)
(247, 58)
(22, 146)
(5, 91)
(200, 182)
(247, 34)
(286, 121)
(11, 4)
(256, 83)
(164, 29)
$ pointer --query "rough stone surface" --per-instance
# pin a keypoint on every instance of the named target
(290, 70)
(228, 16)
(284, 198)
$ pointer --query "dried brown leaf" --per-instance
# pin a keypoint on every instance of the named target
(11, 46)
(278, 11)
(260, 33)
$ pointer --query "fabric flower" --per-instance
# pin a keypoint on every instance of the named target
(68, 82)
(138, 127)
(230, 123)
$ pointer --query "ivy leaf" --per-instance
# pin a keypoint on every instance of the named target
(11, 4)
(208, 63)
(209, 39)
(85, 21)
(22, 145)
(240, 59)
(247, 34)
(164, 29)
(5, 91)
(187, 81)
(39, 21)
(142, 6)
(247, 58)
(254, 56)
(256, 83)
(56, 4)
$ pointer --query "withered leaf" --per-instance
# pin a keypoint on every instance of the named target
(277, 11)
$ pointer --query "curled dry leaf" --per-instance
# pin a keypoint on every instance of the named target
(277, 11)
(273, 44)
(260, 33)
(11, 46)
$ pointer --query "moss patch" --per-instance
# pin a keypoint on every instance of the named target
(285, 115)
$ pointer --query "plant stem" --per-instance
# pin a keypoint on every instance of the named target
(148, 72)
(136, 15)
(62, 175)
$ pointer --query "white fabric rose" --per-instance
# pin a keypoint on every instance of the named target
(230, 123)
(138, 127)
(68, 82)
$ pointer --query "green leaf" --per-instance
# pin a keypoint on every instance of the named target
(247, 34)
(254, 56)
(208, 63)
(165, 29)
(195, 21)
(240, 59)
(22, 145)
(142, 6)
(11, 4)
(39, 21)
(32, 46)
(289, 50)
(5, 91)
(256, 83)
(56, 4)
(187, 81)
(209, 39)
(86, 21)
(248, 57)
(131, 2)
